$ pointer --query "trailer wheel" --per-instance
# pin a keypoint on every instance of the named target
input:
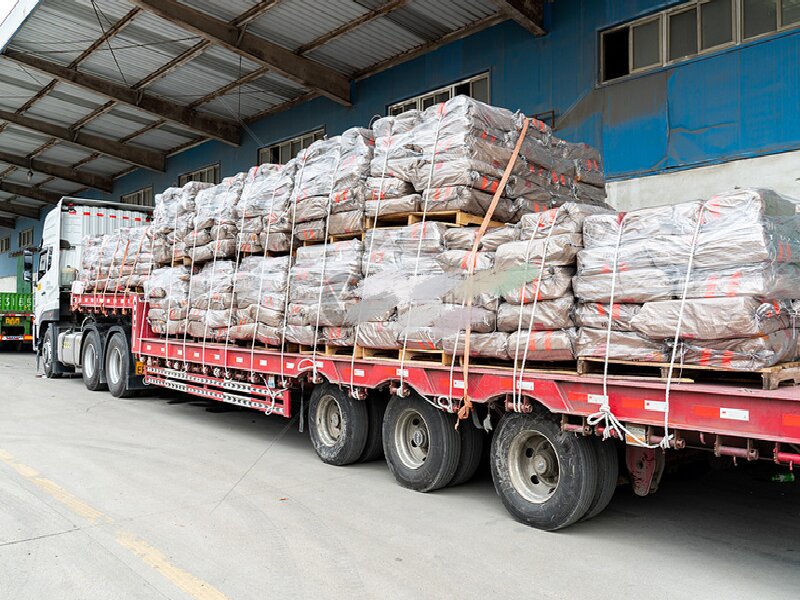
(118, 367)
(338, 425)
(91, 361)
(546, 477)
(607, 475)
(421, 444)
(376, 408)
(49, 354)
(471, 452)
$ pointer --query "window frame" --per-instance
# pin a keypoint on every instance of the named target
(667, 25)
(266, 150)
(148, 188)
(6, 241)
(25, 232)
(450, 89)
(737, 36)
(190, 174)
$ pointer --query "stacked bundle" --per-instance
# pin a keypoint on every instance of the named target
(173, 218)
(215, 228)
(402, 274)
(740, 252)
(389, 185)
(259, 299)
(331, 185)
(167, 291)
(115, 262)
(211, 301)
(323, 293)
(263, 211)
(464, 147)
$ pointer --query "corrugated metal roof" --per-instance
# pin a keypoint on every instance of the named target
(64, 154)
(208, 72)
(118, 124)
(453, 14)
(16, 86)
(227, 10)
(161, 139)
(20, 141)
(294, 23)
(261, 94)
(62, 187)
(60, 30)
(22, 177)
(106, 166)
(367, 45)
(63, 105)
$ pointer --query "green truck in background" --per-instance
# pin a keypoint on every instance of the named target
(16, 308)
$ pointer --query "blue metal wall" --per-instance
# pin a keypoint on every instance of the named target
(738, 102)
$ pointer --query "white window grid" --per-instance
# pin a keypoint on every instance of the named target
(663, 17)
(443, 94)
(208, 174)
(282, 152)
(142, 197)
(5, 244)
(25, 238)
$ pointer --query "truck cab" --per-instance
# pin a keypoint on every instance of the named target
(56, 327)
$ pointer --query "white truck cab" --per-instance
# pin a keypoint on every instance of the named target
(65, 228)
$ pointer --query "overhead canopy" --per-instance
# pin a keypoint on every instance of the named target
(90, 89)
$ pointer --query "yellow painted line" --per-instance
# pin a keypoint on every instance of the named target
(151, 556)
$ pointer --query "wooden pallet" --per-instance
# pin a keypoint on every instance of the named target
(770, 378)
(409, 355)
(338, 237)
(309, 349)
(332, 350)
(562, 367)
(451, 218)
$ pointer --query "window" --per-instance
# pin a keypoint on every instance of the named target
(5, 245)
(758, 16)
(476, 87)
(716, 23)
(25, 238)
(283, 152)
(689, 29)
(142, 197)
(209, 174)
(647, 44)
(682, 34)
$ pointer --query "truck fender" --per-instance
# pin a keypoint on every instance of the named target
(101, 334)
(135, 381)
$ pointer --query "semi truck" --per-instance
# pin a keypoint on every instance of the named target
(558, 439)
(16, 304)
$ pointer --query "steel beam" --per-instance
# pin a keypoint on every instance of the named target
(30, 192)
(137, 156)
(306, 72)
(31, 212)
(528, 13)
(214, 127)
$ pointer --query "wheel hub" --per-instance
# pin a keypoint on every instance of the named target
(412, 439)
(533, 465)
(329, 420)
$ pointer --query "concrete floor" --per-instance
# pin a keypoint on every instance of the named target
(158, 498)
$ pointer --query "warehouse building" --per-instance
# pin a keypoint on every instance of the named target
(119, 99)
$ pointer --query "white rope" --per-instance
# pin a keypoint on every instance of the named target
(169, 291)
(369, 261)
(189, 291)
(324, 263)
(426, 196)
(293, 200)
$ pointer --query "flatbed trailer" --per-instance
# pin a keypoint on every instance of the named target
(558, 436)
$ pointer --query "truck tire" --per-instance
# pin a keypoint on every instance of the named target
(607, 475)
(421, 444)
(338, 425)
(118, 366)
(376, 408)
(92, 362)
(546, 477)
(49, 354)
(471, 452)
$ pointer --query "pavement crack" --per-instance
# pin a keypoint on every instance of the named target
(39, 537)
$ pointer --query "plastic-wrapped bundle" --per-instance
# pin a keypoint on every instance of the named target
(463, 238)
(743, 247)
(742, 353)
(260, 293)
(167, 292)
(323, 289)
(396, 154)
(211, 300)
(173, 219)
(550, 315)
(542, 345)
(263, 211)
(622, 345)
(116, 262)
(484, 345)
(215, 229)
